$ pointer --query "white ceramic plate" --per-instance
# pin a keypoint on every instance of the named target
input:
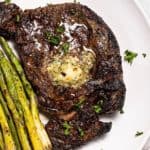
(133, 33)
(144, 6)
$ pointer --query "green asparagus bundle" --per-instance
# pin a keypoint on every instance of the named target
(7, 72)
(30, 94)
(10, 103)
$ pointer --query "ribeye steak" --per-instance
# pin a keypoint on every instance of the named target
(72, 59)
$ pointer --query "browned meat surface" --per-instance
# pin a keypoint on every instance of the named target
(73, 61)
(79, 133)
(8, 19)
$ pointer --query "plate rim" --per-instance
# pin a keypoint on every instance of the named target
(142, 11)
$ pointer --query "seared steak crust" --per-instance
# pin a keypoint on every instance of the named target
(92, 128)
(8, 15)
(96, 86)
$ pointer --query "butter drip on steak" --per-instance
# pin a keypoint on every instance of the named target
(72, 59)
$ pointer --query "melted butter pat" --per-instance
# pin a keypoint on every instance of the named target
(71, 71)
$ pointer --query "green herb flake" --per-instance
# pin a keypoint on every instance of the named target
(129, 56)
(60, 29)
(138, 133)
(48, 35)
(80, 103)
(76, 1)
(65, 47)
(121, 111)
(81, 132)
(66, 127)
(144, 55)
(54, 40)
(49, 4)
(17, 18)
(97, 108)
(7, 1)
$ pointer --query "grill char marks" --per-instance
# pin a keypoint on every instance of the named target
(102, 92)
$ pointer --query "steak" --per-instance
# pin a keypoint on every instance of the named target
(72, 59)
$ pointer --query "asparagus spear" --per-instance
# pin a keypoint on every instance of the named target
(9, 71)
(13, 94)
(30, 93)
(10, 122)
(17, 119)
(1, 140)
(8, 139)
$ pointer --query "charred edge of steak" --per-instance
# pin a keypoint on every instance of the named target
(9, 15)
(83, 126)
(79, 132)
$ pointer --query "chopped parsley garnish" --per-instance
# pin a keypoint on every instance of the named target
(66, 127)
(80, 103)
(81, 132)
(97, 108)
(121, 111)
(7, 1)
(52, 39)
(65, 47)
(17, 18)
(138, 133)
(60, 29)
(129, 56)
(76, 1)
(144, 55)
